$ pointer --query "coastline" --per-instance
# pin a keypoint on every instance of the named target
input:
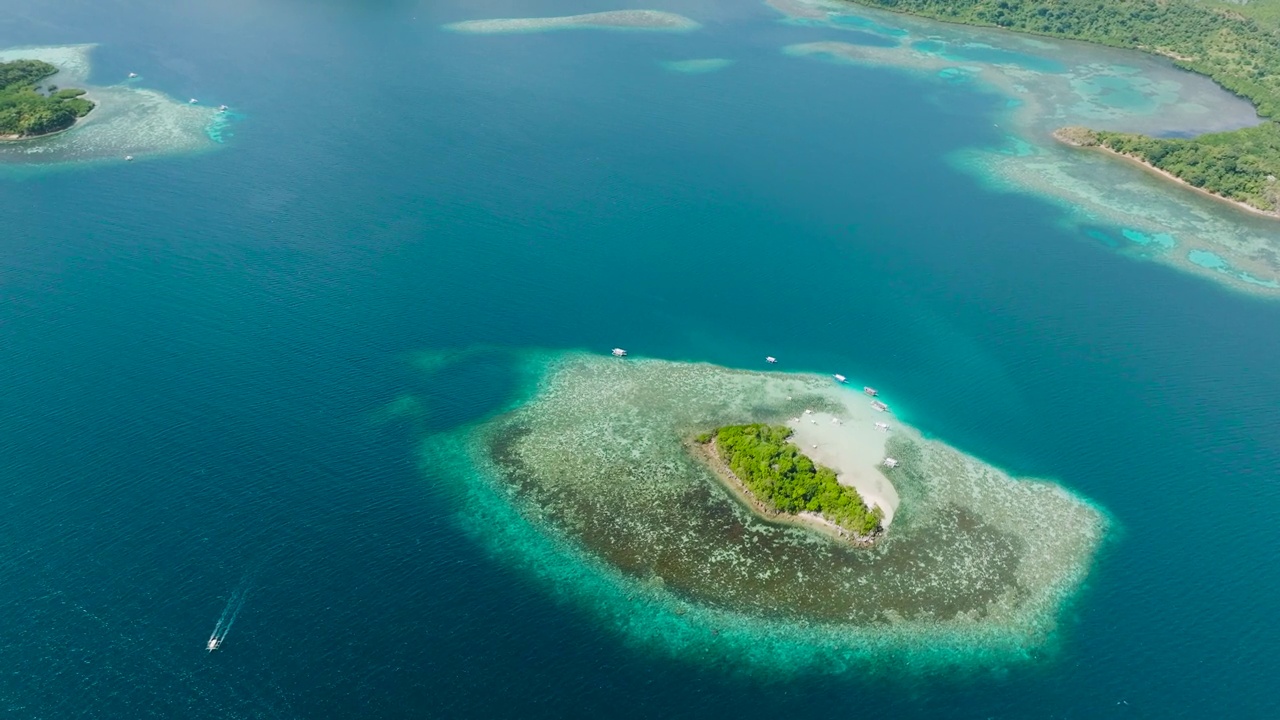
(1067, 136)
(790, 6)
(707, 453)
(74, 124)
(25, 138)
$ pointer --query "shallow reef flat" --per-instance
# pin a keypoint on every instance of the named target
(128, 120)
(592, 486)
(1046, 85)
(697, 66)
(610, 20)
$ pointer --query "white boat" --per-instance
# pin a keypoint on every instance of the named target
(870, 391)
(771, 359)
(882, 427)
(879, 406)
(128, 158)
(840, 378)
(222, 108)
(133, 75)
(213, 644)
(193, 101)
(619, 352)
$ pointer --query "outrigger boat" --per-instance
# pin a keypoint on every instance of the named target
(840, 378)
(771, 359)
(619, 352)
(214, 643)
(879, 406)
(870, 391)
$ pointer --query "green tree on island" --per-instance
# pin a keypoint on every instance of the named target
(786, 480)
(1238, 45)
(26, 112)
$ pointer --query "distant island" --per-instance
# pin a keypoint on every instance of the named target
(1236, 46)
(28, 110)
(611, 20)
(778, 479)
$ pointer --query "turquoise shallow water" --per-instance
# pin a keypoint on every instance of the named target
(199, 355)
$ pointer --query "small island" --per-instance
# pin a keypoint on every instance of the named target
(779, 480)
(596, 483)
(28, 110)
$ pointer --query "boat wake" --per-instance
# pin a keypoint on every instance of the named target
(228, 618)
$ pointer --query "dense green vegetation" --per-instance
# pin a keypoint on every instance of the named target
(24, 111)
(1231, 164)
(1239, 47)
(1264, 11)
(780, 476)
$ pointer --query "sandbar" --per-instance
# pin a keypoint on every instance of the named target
(610, 20)
(850, 444)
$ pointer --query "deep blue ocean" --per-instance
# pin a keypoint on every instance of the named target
(197, 354)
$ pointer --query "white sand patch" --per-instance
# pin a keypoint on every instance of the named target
(850, 444)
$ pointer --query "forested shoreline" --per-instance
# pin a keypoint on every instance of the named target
(1239, 52)
(29, 109)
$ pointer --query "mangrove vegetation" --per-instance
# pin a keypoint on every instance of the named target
(27, 109)
(1236, 45)
(785, 480)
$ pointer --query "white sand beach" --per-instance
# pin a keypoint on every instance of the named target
(850, 444)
